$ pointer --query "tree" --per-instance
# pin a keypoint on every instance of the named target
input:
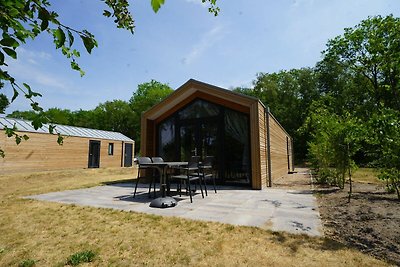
(115, 116)
(288, 94)
(369, 52)
(21, 20)
(384, 136)
(147, 95)
(335, 141)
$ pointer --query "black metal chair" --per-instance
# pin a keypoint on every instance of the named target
(189, 174)
(141, 169)
(207, 172)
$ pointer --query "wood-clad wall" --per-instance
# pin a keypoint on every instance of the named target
(255, 147)
(279, 149)
(41, 152)
(262, 124)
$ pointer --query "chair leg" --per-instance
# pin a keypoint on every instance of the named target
(137, 181)
(154, 189)
(215, 189)
(190, 191)
(204, 182)
(201, 188)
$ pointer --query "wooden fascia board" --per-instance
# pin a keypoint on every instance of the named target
(207, 92)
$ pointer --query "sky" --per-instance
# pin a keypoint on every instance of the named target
(180, 42)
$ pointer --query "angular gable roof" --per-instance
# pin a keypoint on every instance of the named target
(26, 126)
(193, 89)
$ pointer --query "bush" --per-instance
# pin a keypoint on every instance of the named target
(27, 263)
(80, 257)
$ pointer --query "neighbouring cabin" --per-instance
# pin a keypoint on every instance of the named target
(82, 148)
(248, 144)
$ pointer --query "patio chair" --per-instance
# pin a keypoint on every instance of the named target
(143, 160)
(207, 172)
(189, 174)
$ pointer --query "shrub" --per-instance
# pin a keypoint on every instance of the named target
(27, 263)
(80, 257)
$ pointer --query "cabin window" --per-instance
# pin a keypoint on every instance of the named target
(110, 149)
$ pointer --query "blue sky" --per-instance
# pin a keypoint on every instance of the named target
(184, 41)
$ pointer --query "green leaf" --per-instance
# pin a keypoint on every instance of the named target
(17, 139)
(156, 4)
(75, 66)
(107, 13)
(60, 139)
(10, 52)
(44, 15)
(1, 58)
(10, 42)
(70, 38)
(27, 86)
(59, 37)
(51, 128)
(89, 43)
(15, 95)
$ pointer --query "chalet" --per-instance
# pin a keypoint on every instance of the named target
(82, 148)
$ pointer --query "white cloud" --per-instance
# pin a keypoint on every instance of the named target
(206, 41)
(28, 67)
(198, 2)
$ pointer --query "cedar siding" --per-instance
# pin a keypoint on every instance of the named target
(42, 152)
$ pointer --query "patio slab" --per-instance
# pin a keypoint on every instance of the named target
(293, 211)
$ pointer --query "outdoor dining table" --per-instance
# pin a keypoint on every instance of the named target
(164, 201)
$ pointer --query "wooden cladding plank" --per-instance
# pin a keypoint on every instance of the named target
(278, 149)
(255, 147)
(263, 145)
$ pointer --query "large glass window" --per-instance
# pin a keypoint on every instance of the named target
(206, 129)
(237, 150)
(166, 145)
(199, 109)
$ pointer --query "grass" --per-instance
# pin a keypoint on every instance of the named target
(51, 233)
(367, 175)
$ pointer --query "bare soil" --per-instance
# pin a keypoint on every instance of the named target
(370, 222)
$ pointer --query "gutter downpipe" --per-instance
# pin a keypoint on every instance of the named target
(268, 137)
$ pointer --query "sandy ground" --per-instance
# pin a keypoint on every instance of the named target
(369, 223)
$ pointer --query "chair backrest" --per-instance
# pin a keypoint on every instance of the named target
(194, 162)
(143, 160)
(208, 161)
(157, 159)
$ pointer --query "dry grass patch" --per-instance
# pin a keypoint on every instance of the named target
(367, 175)
(49, 233)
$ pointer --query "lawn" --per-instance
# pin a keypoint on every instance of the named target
(50, 233)
(367, 175)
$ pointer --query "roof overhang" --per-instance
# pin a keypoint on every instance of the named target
(193, 89)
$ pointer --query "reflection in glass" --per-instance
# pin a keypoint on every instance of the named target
(237, 154)
(206, 129)
(199, 109)
(167, 140)
(188, 143)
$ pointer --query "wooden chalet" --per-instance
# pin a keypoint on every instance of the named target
(249, 145)
(82, 148)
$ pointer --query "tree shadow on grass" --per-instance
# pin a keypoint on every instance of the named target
(323, 244)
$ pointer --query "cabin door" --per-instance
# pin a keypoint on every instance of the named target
(198, 138)
(94, 154)
(128, 155)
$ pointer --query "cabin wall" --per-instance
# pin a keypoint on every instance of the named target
(41, 152)
(255, 147)
(280, 141)
(262, 124)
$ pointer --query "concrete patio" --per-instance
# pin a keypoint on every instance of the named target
(294, 211)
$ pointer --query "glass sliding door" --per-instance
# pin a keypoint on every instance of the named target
(237, 148)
